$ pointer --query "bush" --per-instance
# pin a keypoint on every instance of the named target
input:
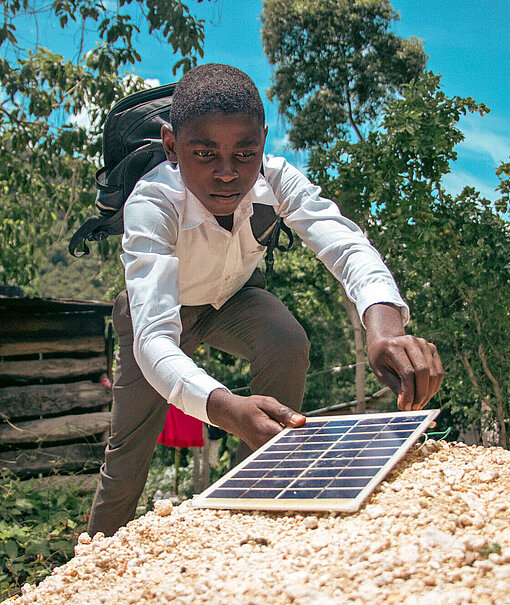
(39, 528)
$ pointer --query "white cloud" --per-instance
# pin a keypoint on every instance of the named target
(280, 146)
(485, 146)
(152, 82)
(482, 138)
(83, 119)
(455, 181)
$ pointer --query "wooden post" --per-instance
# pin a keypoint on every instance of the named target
(177, 459)
(360, 352)
(196, 470)
(206, 473)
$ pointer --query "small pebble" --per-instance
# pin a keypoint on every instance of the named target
(505, 555)
(163, 508)
(374, 511)
(488, 476)
(84, 538)
(474, 542)
(311, 522)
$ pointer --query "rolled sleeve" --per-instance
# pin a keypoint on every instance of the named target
(377, 293)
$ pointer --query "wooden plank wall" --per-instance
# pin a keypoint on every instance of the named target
(54, 407)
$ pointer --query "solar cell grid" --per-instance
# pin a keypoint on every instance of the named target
(329, 464)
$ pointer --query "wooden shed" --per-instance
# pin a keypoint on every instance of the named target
(55, 368)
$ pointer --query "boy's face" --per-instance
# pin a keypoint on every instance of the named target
(219, 157)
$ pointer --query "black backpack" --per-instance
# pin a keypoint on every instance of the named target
(132, 147)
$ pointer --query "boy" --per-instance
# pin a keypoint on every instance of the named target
(191, 274)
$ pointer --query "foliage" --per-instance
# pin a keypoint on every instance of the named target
(63, 276)
(226, 456)
(161, 477)
(381, 135)
(38, 529)
(336, 62)
(449, 254)
(47, 159)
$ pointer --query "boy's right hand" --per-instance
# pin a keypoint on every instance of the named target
(253, 419)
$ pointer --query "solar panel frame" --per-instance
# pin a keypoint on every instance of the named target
(344, 468)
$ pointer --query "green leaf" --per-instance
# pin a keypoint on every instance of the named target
(38, 548)
(11, 549)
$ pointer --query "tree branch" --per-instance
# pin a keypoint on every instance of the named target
(498, 408)
(351, 117)
(72, 201)
(352, 312)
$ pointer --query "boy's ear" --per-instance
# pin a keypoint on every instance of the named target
(168, 139)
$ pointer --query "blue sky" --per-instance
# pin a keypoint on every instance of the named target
(466, 41)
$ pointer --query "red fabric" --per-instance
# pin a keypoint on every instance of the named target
(181, 430)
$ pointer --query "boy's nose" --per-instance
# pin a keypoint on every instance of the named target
(225, 171)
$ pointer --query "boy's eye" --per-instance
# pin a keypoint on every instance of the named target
(245, 154)
(204, 153)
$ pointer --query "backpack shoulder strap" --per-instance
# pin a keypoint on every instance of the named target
(266, 227)
(96, 228)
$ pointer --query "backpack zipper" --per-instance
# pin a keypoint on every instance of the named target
(150, 94)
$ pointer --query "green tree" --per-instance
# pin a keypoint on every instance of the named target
(48, 161)
(317, 301)
(449, 254)
(336, 63)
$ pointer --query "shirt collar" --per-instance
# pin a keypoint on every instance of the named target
(194, 212)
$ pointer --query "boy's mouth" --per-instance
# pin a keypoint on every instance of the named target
(224, 196)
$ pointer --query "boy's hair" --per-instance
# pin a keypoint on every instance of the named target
(214, 88)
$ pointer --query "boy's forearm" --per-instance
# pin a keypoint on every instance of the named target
(383, 320)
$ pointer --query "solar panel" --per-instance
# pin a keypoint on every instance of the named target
(331, 463)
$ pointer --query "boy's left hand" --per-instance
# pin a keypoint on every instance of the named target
(410, 366)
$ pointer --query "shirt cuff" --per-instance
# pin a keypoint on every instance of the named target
(191, 395)
(374, 294)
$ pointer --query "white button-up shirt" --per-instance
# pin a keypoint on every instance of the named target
(176, 253)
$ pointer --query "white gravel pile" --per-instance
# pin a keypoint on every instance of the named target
(436, 532)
